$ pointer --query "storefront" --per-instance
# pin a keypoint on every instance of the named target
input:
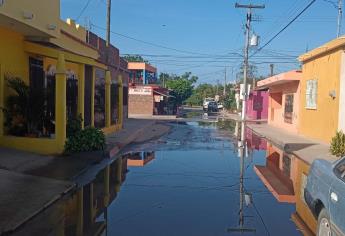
(148, 101)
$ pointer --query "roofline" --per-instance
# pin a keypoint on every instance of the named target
(323, 49)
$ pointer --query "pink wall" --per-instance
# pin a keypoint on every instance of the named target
(257, 105)
(276, 109)
(254, 141)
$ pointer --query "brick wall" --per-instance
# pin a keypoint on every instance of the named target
(140, 104)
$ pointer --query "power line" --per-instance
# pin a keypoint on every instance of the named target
(83, 10)
(151, 44)
(285, 27)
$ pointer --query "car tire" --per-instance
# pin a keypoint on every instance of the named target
(323, 224)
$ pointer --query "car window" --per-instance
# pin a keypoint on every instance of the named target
(340, 170)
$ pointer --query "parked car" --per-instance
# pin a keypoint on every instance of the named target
(212, 106)
(325, 196)
(206, 102)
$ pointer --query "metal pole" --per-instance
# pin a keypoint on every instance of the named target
(108, 22)
(245, 69)
(272, 69)
(340, 16)
(217, 87)
(246, 52)
(224, 90)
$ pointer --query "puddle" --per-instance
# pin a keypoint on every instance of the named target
(193, 181)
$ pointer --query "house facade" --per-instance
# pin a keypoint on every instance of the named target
(257, 105)
(323, 91)
(283, 100)
(64, 72)
(142, 73)
(145, 96)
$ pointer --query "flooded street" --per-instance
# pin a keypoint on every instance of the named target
(188, 182)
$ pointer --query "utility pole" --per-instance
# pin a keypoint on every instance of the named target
(340, 17)
(108, 22)
(242, 149)
(217, 86)
(272, 69)
(246, 52)
(224, 90)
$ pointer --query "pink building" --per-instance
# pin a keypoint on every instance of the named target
(257, 105)
(283, 100)
(254, 141)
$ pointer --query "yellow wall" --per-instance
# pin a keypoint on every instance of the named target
(321, 123)
(74, 44)
(44, 12)
(14, 60)
(301, 207)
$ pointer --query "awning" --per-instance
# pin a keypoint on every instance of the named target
(282, 78)
(163, 94)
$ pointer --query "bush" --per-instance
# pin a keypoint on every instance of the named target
(338, 144)
(89, 139)
(74, 126)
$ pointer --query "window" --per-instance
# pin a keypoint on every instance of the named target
(125, 96)
(340, 170)
(311, 94)
(288, 111)
(114, 103)
(99, 98)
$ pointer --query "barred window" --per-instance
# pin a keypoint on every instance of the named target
(311, 94)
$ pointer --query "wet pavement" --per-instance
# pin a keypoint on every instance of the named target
(187, 182)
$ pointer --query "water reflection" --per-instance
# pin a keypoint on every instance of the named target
(245, 197)
(189, 191)
(139, 158)
(278, 174)
(284, 175)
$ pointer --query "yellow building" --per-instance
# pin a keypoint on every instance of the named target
(322, 108)
(61, 59)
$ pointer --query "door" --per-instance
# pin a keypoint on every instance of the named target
(288, 109)
(337, 199)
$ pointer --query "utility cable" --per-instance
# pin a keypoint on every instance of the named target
(83, 10)
(152, 44)
(285, 27)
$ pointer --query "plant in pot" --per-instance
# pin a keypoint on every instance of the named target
(24, 108)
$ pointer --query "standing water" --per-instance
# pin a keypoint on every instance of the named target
(186, 183)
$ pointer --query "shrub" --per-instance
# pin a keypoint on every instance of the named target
(89, 139)
(74, 126)
(338, 144)
(24, 108)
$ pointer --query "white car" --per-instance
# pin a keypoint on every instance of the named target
(206, 102)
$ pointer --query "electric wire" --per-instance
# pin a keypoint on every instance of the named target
(284, 28)
(83, 9)
(150, 43)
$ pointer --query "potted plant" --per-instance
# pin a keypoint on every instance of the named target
(24, 108)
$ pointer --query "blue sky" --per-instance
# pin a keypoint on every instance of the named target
(209, 32)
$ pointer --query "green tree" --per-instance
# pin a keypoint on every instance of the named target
(182, 86)
(135, 58)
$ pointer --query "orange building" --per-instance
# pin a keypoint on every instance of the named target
(284, 99)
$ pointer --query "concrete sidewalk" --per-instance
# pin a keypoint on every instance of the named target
(306, 149)
(24, 196)
(135, 130)
(30, 182)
